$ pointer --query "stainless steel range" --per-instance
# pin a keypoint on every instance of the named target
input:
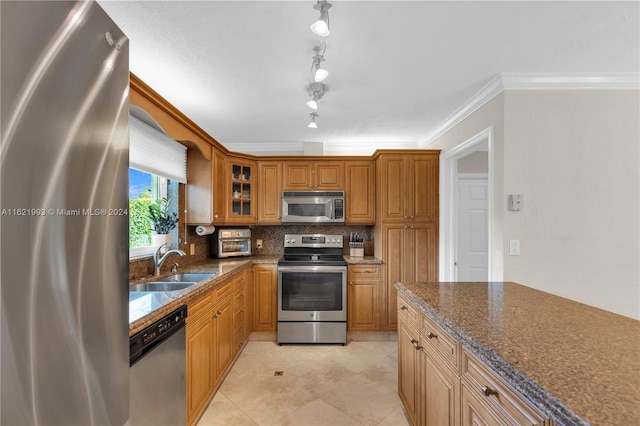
(312, 290)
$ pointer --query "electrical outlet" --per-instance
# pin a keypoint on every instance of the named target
(192, 249)
(258, 244)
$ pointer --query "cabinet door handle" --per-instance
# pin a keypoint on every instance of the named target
(217, 314)
(414, 342)
(487, 391)
(431, 335)
(403, 308)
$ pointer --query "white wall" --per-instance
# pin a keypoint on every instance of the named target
(490, 114)
(575, 156)
(476, 162)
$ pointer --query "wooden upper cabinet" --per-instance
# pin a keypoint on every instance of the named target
(424, 172)
(219, 186)
(328, 175)
(206, 183)
(313, 175)
(360, 192)
(408, 187)
(270, 192)
(241, 190)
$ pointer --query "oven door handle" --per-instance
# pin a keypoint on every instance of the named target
(224, 240)
(312, 268)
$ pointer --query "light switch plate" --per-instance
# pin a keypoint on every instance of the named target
(515, 202)
(514, 247)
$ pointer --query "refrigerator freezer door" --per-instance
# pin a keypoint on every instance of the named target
(64, 181)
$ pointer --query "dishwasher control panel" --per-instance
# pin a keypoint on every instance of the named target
(145, 340)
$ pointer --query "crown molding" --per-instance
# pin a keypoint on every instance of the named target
(568, 81)
(484, 95)
(532, 81)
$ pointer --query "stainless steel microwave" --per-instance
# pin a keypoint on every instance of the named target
(312, 207)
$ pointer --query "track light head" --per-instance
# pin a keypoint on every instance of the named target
(321, 26)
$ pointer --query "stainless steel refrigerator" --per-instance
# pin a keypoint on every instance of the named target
(64, 225)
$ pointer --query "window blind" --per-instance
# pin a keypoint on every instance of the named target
(154, 152)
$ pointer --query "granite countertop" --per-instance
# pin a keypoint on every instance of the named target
(147, 307)
(576, 363)
(366, 260)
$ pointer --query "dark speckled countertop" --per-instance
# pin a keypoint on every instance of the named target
(147, 307)
(365, 260)
(571, 360)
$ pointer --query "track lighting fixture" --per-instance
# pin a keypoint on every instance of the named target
(321, 26)
(312, 124)
(319, 73)
(316, 91)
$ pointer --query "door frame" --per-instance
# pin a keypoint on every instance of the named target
(448, 196)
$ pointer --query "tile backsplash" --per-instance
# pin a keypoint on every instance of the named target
(273, 236)
(272, 242)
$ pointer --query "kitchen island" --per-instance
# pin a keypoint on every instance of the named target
(576, 364)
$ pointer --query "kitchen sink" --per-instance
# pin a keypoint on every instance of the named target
(186, 277)
(161, 286)
(174, 282)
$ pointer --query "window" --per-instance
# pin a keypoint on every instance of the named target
(156, 165)
(144, 189)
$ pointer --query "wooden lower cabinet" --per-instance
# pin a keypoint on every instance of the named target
(363, 294)
(487, 396)
(410, 255)
(442, 384)
(265, 298)
(408, 370)
(241, 308)
(223, 336)
(211, 340)
(440, 391)
(200, 368)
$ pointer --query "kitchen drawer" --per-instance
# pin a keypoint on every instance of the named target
(238, 318)
(238, 302)
(199, 307)
(408, 313)
(223, 291)
(496, 394)
(436, 339)
(366, 271)
(238, 284)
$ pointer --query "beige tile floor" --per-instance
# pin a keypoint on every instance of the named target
(355, 384)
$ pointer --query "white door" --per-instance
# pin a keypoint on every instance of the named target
(472, 225)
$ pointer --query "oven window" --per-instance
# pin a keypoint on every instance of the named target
(316, 291)
(235, 246)
(307, 210)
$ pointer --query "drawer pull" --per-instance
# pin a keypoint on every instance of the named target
(487, 391)
(403, 308)
(431, 335)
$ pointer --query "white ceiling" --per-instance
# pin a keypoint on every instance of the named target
(397, 68)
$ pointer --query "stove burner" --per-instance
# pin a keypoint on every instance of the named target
(312, 250)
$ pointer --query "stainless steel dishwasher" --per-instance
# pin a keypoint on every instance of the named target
(157, 372)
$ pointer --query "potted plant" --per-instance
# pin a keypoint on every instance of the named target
(162, 222)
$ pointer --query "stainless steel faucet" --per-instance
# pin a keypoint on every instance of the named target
(157, 263)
